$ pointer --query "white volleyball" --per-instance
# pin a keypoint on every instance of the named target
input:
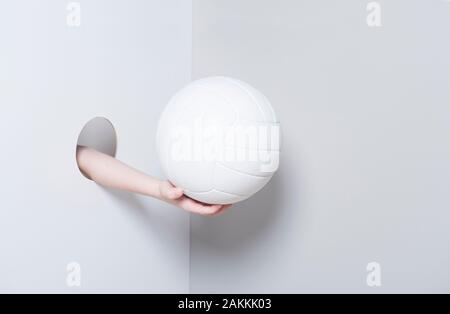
(218, 139)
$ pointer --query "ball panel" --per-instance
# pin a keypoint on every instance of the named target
(251, 166)
(191, 175)
(238, 183)
(258, 98)
(164, 128)
(254, 135)
(237, 96)
(215, 197)
(205, 104)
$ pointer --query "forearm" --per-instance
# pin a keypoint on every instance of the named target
(110, 172)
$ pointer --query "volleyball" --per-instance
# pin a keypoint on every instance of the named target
(219, 140)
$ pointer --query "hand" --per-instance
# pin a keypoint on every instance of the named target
(175, 196)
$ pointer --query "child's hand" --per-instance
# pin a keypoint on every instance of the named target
(175, 196)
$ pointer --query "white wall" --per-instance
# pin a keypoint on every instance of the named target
(365, 165)
(124, 63)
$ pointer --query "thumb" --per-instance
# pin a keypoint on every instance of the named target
(169, 191)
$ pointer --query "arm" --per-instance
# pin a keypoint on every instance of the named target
(112, 173)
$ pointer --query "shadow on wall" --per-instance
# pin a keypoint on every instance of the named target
(237, 230)
(148, 218)
(244, 224)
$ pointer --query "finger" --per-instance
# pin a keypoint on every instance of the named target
(175, 193)
(170, 192)
(198, 208)
(214, 210)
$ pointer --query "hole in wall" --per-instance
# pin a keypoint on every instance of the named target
(99, 134)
